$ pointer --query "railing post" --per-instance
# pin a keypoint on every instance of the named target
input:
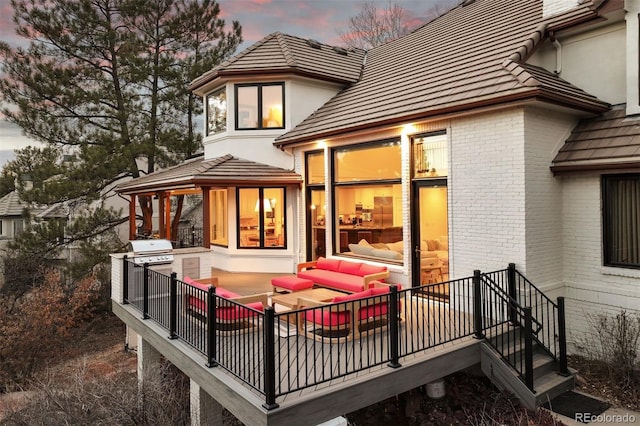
(125, 280)
(145, 292)
(269, 359)
(511, 281)
(211, 327)
(173, 305)
(562, 338)
(394, 342)
(477, 306)
(528, 348)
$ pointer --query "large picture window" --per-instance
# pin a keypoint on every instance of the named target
(621, 220)
(217, 112)
(259, 106)
(368, 201)
(261, 218)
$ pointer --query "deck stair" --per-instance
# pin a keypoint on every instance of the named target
(548, 382)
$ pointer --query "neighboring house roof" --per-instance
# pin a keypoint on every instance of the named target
(469, 57)
(279, 53)
(611, 141)
(225, 170)
(11, 205)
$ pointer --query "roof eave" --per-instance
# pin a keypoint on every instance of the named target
(194, 182)
(196, 85)
(535, 94)
(582, 167)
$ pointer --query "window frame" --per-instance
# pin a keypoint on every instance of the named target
(261, 219)
(607, 217)
(334, 186)
(259, 87)
(206, 103)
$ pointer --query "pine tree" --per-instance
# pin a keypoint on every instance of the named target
(104, 83)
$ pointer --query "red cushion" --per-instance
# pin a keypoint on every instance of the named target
(291, 282)
(328, 264)
(326, 318)
(338, 280)
(373, 310)
(375, 291)
(236, 312)
(353, 296)
(196, 284)
(351, 268)
(223, 292)
(197, 303)
(366, 269)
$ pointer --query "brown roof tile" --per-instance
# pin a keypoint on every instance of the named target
(471, 54)
(225, 170)
(602, 142)
(279, 53)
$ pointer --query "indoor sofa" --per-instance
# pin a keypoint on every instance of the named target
(342, 275)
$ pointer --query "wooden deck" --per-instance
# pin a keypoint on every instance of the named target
(316, 380)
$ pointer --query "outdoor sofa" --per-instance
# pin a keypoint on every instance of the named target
(342, 275)
(347, 316)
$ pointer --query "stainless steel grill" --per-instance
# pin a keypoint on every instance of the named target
(153, 252)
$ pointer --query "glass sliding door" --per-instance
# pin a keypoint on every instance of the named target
(429, 214)
(316, 205)
(430, 233)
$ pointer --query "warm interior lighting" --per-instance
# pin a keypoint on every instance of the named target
(408, 129)
(275, 116)
(265, 204)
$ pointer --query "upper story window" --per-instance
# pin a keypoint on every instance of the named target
(621, 220)
(259, 106)
(217, 112)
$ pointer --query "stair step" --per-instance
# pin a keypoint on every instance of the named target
(547, 382)
(551, 385)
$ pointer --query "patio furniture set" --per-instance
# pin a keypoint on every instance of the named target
(327, 299)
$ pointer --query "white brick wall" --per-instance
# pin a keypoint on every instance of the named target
(553, 7)
(545, 131)
(486, 183)
(590, 288)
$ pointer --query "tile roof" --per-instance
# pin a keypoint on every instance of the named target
(225, 170)
(278, 53)
(11, 205)
(611, 141)
(473, 55)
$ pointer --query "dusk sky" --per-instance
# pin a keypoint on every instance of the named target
(316, 19)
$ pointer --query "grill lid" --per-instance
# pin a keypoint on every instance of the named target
(146, 247)
(151, 252)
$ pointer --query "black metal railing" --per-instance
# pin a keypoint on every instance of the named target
(277, 353)
(191, 236)
(518, 315)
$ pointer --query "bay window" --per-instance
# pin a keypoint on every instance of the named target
(216, 112)
(259, 106)
(261, 218)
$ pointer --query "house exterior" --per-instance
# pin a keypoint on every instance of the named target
(12, 220)
(503, 131)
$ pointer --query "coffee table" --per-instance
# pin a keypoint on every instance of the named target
(290, 300)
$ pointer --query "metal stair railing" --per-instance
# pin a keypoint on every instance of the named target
(509, 297)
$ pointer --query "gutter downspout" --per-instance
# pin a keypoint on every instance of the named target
(558, 46)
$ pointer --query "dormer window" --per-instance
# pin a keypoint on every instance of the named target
(217, 112)
(259, 106)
